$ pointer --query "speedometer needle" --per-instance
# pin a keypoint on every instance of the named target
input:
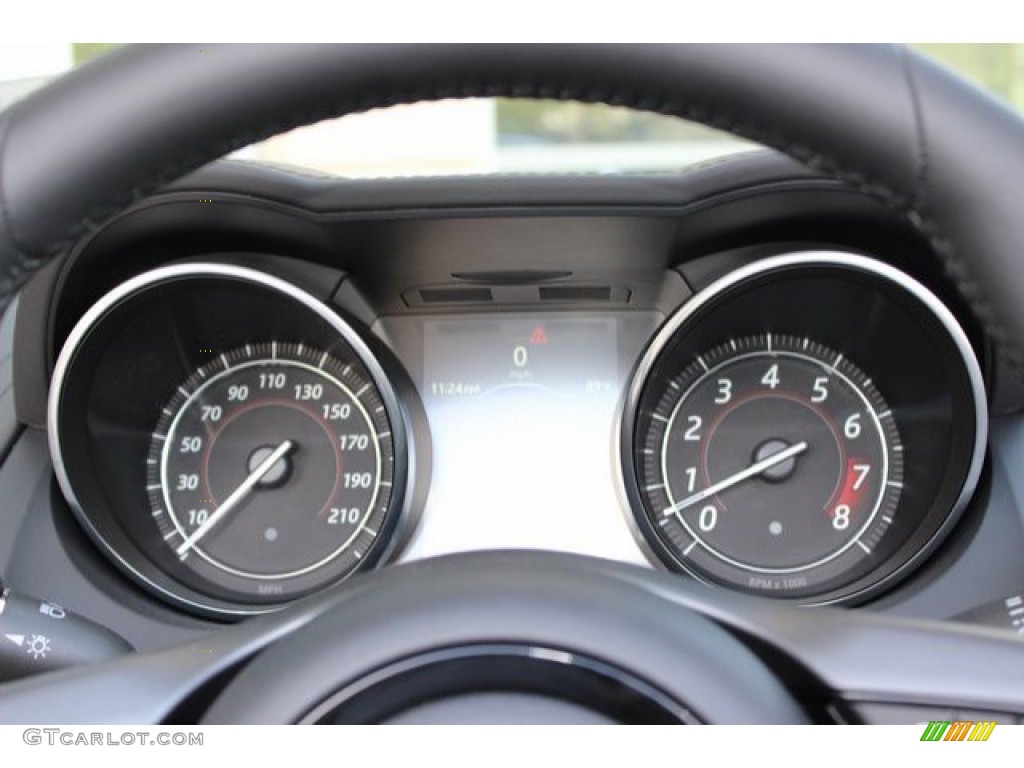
(754, 469)
(236, 496)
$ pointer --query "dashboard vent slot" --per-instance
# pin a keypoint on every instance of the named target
(440, 296)
(512, 276)
(455, 295)
(575, 293)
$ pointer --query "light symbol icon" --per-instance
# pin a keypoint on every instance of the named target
(38, 646)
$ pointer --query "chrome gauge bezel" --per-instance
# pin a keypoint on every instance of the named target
(74, 371)
(714, 299)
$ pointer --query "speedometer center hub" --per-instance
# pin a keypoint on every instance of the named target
(279, 472)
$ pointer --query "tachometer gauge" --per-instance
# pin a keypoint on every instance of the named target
(271, 469)
(772, 459)
(808, 427)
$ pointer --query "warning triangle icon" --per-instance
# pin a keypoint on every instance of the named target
(538, 336)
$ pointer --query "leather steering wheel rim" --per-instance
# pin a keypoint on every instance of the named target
(551, 605)
(881, 118)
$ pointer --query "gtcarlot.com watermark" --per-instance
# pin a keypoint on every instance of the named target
(56, 737)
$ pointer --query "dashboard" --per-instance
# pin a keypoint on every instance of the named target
(746, 375)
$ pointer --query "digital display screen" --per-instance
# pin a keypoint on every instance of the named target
(522, 410)
(566, 357)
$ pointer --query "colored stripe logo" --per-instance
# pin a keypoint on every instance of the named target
(959, 730)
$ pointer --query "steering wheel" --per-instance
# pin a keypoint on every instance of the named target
(579, 639)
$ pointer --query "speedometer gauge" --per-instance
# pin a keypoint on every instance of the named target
(271, 468)
(233, 442)
(772, 459)
(808, 427)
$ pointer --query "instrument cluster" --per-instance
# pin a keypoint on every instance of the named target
(808, 427)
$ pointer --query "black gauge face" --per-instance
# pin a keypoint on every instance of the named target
(232, 443)
(270, 471)
(807, 427)
(772, 463)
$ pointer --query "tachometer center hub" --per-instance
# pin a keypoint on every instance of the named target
(778, 472)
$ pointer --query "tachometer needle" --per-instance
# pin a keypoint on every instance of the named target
(236, 496)
(753, 470)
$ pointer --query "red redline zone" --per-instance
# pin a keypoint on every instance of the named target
(847, 494)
